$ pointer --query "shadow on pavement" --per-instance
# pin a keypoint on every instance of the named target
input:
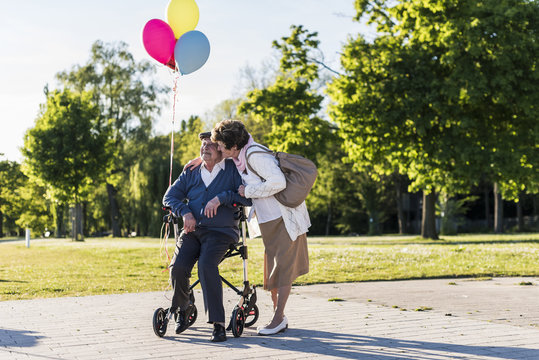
(18, 338)
(12, 342)
(350, 346)
(353, 346)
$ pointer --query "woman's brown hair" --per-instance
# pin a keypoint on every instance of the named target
(230, 133)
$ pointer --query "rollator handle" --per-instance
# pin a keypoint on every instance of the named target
(170, 217)
(240, 212)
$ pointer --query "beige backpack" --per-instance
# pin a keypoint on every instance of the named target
(300, 174)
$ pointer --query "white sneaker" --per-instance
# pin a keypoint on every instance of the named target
(263, 330)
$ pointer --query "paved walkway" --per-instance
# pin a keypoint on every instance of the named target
(420, 319)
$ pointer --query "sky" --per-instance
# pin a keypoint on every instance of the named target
(40, 38)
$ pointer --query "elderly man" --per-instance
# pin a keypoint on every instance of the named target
(204, 198)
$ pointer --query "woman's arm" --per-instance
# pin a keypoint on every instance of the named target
(192, 164)
(229, 198)
(266, 167)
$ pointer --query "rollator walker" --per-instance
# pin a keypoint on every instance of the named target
(245, 312)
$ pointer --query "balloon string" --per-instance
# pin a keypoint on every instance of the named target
(164, 245)
(167, 227)
(175, 90)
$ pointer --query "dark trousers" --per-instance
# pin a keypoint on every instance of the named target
(208, 247)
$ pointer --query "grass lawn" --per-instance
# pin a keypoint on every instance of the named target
(51, 268)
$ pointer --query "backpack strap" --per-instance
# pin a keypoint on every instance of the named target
(248, 154)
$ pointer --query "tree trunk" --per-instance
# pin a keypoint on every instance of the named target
(77, 223)
(520, 217)
(1, 225)
(328, 219)
(400, 207)
(428, 221)
(498, 210)
(374, 223)
(487, 208)
(59, 210)
(114, 211)
(85, 229)
(535, 199)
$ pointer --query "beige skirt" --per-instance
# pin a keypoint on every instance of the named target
(284, 259)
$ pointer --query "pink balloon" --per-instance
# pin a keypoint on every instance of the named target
(158, 39)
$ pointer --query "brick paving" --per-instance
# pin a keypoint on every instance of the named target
(495, 319)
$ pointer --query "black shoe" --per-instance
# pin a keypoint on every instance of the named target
(181, 322)
(219, 333)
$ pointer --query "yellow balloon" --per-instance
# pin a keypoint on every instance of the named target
(182, 16)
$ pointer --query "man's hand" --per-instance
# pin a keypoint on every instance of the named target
(193, 164)
(241, 190)
(189, 223)
(211, 207)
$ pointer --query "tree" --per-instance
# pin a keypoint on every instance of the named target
(291, 103)
(188, 141)
(34, 207)
(400, 185)
(148, 181)
(441, 95)
(288, 109)
(127, 95)
(11, 179)
(68, 149)
(228, 109)
(23, 202)
(451, 212)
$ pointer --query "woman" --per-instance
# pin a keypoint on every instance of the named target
(283, 229)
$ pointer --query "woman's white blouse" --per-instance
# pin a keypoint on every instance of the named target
(265, 206)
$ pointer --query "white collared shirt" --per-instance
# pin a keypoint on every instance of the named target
(208, 176)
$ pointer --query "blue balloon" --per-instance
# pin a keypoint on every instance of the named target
(191, 51)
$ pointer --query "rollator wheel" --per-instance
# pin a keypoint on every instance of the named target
(252, 316)
(193, 316)
(160, 322)
(238, 321)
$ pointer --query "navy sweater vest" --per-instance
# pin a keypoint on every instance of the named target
(190, 194)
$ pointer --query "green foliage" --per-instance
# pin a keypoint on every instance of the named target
(122, 88)
(148, 178)
(188, 140)
(451, 212)
(295, 50)
(97, 211)
(67, 149)
(286, 111)
(228, 109)
(11, 179)
(442, 95)
(34, 208)
(332, 207)
(148, 182)
(125, 94)
(373, 195)
(344, 200)
(290, 103)
(249, 80)
(128, 97)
